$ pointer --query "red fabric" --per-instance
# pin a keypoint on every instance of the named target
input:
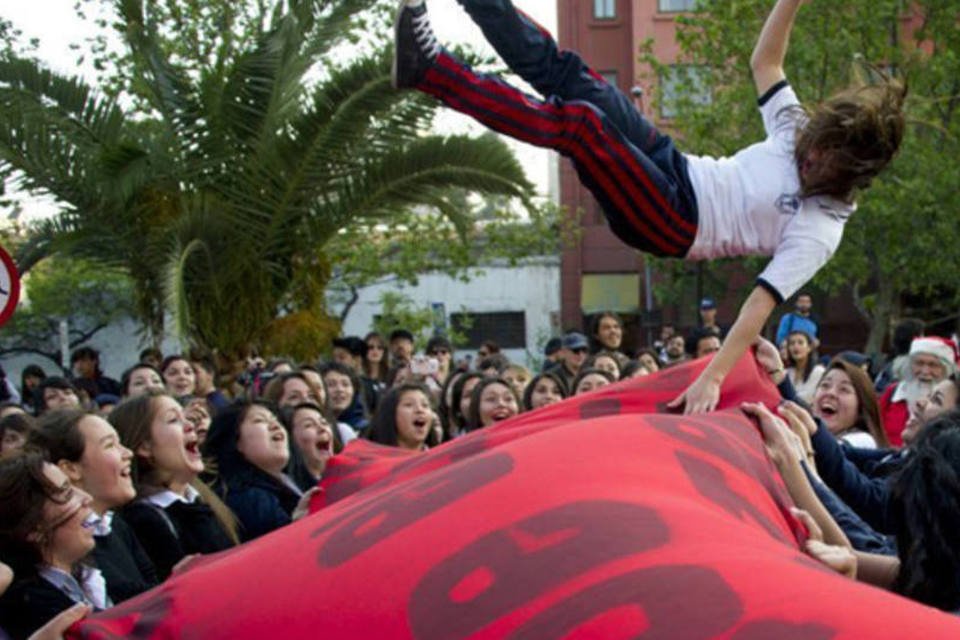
(894, 416)
(594, 518)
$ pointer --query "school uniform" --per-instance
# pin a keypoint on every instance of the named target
(171, 526)
(33, 601)
(126, 567)
(655, 198)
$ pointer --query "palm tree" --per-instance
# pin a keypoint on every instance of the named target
(218, 192)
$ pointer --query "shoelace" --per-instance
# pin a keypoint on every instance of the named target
(424, 36)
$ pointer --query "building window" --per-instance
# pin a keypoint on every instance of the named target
(610, 77)
(507, 328)
(604, 9)
(672, 6)
(683, 83)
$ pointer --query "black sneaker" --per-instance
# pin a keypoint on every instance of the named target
(415, 45)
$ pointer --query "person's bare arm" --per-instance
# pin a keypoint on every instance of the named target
(702, 396)
(880, 571)
(766, 63)
(786, 454)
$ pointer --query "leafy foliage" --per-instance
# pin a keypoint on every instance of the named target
(247, 150)
(84, 294)
(904, 237)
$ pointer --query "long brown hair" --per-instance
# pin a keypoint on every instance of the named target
(855, 135)
(132, 419)
(24, 489)
(868, 410)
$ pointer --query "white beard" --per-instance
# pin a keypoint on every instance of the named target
(911, 391)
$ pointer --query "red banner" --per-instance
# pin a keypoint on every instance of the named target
(599, 517)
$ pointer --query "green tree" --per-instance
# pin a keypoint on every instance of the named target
(904, 237)
(421, 241)
(85, 295)
(220, 189)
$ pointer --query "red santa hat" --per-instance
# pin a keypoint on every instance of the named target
(943, 349)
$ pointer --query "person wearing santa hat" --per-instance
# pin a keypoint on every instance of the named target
(932, 359)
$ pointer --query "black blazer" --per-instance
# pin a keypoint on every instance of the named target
(169, 534)
(126, 567)
(29, 604)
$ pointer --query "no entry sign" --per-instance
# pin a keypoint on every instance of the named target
(9, 286)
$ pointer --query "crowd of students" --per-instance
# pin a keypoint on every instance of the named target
(109, 487)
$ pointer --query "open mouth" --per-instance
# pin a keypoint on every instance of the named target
(192, 447)
(827, 410)
(501, 415)
(126, 472)
(421, 424)
(279, 436)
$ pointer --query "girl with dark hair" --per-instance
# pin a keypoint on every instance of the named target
(803, 367)
(405, 419)
(30, 378)
(545, 389)
(312, 433)
(56, 393)
(375, 361)
(605, 361)
(588, 380)
(460, 400)
(15, 428)
(925, 509)
(635, 369)
(293, 388)
(787, 196)
(649, 359)
(88, 450)
(178, 376)
(847, 404)
(175, 514)
(344, 397)
(250, 450)
(492, 400)
(46, 530)
(140, 377)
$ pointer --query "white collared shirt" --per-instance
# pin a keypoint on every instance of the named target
(165, 498)
(104, 525)
(92, 591)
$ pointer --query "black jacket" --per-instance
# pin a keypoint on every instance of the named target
(29, 604)
(169, 534)
(126, 567)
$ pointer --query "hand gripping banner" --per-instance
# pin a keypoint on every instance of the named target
(600, 517)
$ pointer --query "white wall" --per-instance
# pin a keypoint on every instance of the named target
(532, 287)
(119, 346)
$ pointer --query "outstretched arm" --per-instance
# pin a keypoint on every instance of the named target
(766, 63)
(704, 393)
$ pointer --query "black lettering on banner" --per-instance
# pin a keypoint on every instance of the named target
(784, 630)
(677, 601)
(600, 408)
(399, 507)
(508, 568)
(726, 437)
(712, 485)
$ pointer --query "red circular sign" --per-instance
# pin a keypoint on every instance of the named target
(9, 286)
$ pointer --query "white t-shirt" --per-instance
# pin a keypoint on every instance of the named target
(749, 204)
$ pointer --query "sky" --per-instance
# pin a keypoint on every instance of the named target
(56, 25)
